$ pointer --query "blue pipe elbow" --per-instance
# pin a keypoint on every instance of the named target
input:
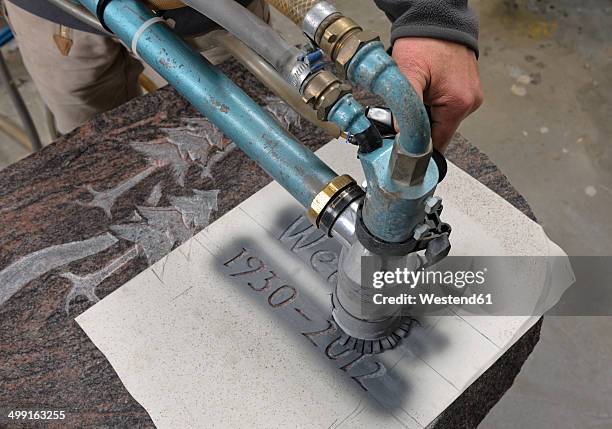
(373, 69)
(349, 115)
(393, 207)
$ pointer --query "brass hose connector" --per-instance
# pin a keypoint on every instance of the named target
(322, 91)
(331, 34)
(327, 194)
(340, 37)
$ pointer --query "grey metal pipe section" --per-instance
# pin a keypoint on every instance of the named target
(251, 30)
(22, 110)
(79, 13)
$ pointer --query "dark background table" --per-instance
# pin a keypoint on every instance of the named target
(132, 158)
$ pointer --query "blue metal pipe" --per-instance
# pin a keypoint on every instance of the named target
(349, 115)
(373, 69)
(391, 208)
(291, 164)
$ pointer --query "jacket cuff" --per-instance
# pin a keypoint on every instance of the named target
(435, 32)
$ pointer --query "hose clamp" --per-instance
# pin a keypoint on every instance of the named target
(315, 17)
(298, 74)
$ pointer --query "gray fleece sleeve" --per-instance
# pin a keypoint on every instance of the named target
(451, 20)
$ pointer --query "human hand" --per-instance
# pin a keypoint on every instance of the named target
(445, 76)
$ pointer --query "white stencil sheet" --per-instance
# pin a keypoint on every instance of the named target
(232, 329)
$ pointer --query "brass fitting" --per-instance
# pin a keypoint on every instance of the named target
(335, 186)
(322, 91)
(351, 45)
(341, 38)
(335, 32)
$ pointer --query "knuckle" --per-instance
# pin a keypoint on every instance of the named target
(463, 101)
(467, 100)
(478, 98)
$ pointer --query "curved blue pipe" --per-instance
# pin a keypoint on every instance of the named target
(349, 115)
(372, 68)
(391, 208)
(291, 164)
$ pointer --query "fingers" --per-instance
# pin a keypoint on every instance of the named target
(448, 111)
(445, 75)
(417, 78)
(417, 73)
(444, 124)
(453, 95)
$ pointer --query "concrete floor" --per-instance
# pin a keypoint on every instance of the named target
(546, 69)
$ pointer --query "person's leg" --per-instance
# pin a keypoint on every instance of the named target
(96, 74)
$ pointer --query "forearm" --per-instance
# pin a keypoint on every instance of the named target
(450, 20)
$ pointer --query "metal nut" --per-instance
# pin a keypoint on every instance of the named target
(328, 100)
(335, 32)
(316, 85)
(346, 50)
(409, 168)
(432, 204)
(322, 92)
(419, 231)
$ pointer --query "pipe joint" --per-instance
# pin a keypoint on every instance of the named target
(320, 14)
(322, 91)
(393, 208)
(349, 115)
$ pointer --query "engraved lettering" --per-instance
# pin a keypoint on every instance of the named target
(267, 282)
(292, 294)
(379, 371)
(331, 329)
(302, 236)
(237, 257)
(255, 264)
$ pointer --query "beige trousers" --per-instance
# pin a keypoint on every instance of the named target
(95, 75)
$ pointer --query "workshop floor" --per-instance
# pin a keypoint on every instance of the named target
(547, 75)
